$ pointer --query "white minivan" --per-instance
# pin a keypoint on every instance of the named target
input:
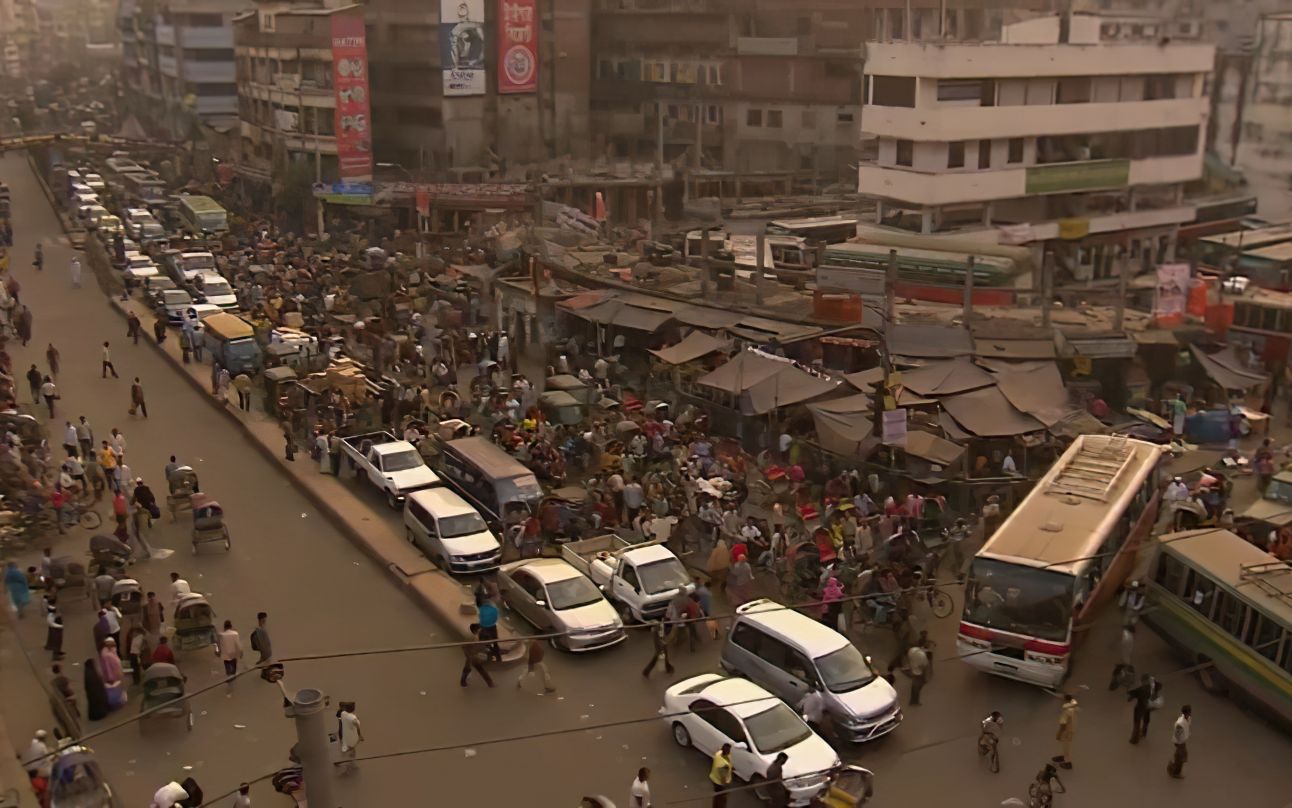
(449, 531)
(790, 654)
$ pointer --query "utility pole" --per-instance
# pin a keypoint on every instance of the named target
(659, 170)
(968, 301)
(890, 289)
(704, 263)
(1123, 272)
(307, 708)
(761, 243)
(1047, 292)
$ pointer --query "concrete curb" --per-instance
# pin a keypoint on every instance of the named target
(514, 649)
(68, 230)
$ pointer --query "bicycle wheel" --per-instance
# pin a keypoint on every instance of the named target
(90, 519)
(941, 603)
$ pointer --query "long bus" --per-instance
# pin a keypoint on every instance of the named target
(1060, 556)
(144, 187)
(1221, 250)
(1226, 606)
(820, 229)
(925, 266)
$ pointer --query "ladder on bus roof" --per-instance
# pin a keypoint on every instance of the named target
(1274, 578)
(1094, 470)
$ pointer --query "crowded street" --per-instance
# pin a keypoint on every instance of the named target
(459, 745)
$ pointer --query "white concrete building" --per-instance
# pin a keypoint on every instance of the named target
(1067, 132)
(1263, 146)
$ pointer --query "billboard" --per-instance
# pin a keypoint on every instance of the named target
(462, 46)
(350, 84)
(1171, 292)
(517, 46)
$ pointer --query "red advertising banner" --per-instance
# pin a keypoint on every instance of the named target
(350, 83)
(517, 46)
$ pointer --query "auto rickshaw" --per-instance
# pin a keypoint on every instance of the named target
(559, 407)
(128, 597)
(850, 787)
(182, 483)
(194, 623)
(163, 689)
(76, 781)
(208, 522)
(276, 381)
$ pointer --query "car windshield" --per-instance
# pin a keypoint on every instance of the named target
(194, 262)
(662, 576)
(1279, 491)
(572, 593)
(216, 288)
(401, 461)
(176, 297)
(464, 524)
(845, 670)
(1018, 599)
(776, 729)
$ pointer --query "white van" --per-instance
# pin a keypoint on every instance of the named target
(449, 531)
(790, 654)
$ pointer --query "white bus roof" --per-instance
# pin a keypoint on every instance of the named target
(1065, 518)
(814, 221)
(200, 204)
(1238, 564)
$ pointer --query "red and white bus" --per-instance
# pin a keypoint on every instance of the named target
(1058, 558)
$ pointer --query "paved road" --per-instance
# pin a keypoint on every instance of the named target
(324, 596)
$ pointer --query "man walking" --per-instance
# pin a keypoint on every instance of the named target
(917, 662)
(1124, 670)
(85, 437)
(534, 664)
(1180, 737)
(351, 736)
(133, 327)
(1067, 731)
(137, 399)
(659, 653)
(639, 796)
(720, 772)
(154, 617)
(776, 789)
(242, 383)
(260, 642)
(49, 392)
(228, 647)
(108, 367)
(474, 658)
(1145, 696)
(76, 272)
(34, 380)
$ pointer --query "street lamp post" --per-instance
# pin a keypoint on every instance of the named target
(307, 708)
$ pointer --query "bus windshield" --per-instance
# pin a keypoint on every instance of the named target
(1019, 599)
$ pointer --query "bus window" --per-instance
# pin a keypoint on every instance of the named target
(1230, 613)
(1265, 638)
(1201, 592)
(1170, 574)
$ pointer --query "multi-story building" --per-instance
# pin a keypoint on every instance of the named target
(1070, 132)
(1262, 131)
(751, 85)
(286, 103)
(18, 33)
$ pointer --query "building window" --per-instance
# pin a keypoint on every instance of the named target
(905, 153)
(809, 119)
(754, 117)
(774, 118)
(715, 75)
(956, 154)
(843, 117)
(1074, 90)
(1159, 87)
(713, 114)
(960, 90)
(984, 154)
(1015, 150)
(207, 20)
(893, 91)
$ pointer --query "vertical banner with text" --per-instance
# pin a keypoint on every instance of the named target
(517, 46)
(462, 46)
(1171, 293)
(350, 83)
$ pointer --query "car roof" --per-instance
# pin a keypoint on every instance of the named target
(741, 696)
(442, 501)
(549, 570)
(792, 627)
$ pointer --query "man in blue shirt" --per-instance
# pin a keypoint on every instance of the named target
(489, 626)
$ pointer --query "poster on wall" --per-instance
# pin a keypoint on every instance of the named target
(462, 46)
(1172, 291)
(517, 46)
(350, 86)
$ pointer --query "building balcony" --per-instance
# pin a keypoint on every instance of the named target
(309, 96)
(164, 34)
(947, 123)
(206, 37)
(931, 189)
(997, 60)
(271, 39)
(209, 72)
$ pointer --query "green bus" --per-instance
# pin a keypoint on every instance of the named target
(1227, 606)
(925, 266)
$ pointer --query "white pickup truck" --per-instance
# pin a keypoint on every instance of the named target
(391, 464)
(639, 579)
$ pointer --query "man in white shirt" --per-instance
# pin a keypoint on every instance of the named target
(813, 708)
(639, 797)
(1176, 491)
(1180, 737)
(917, 662)
(178, 589)
(351, 735)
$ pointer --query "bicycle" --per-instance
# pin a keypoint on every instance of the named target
(79, 512)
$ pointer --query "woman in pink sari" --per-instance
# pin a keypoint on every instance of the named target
(113, 678)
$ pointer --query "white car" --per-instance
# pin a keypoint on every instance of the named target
(93, 214)
(555, 597)
(108, 225)
(216, 291)
(95, 181)
(710, 710)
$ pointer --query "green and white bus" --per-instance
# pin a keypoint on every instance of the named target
(1223, 602)
(202, 214)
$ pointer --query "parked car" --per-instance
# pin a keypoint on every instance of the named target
(556, 598)
(392, 465)
(95, 181)
(214, 289)
(710, 710)
(173, 303)
(450, 531)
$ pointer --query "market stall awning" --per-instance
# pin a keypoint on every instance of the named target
(742, 372)
(930, 447)
(947, 378)
(693, 346)
(792, 386)
(987, 413)
(704, 317)
(639, 319)
(927, 341)
(865, 380)
(1014, 348)
(1039, 392)
(859, 402)
(848, 434)
(1225, 368)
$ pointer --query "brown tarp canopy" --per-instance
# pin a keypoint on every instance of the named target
(1014, 348)
(742, 372)
(1039, 392)
(849, 434)
(765, 383)
(860, 402)
(1227, 370)
(865, 380)
(946, 378)
(928, 341)
(932, 448)
(703, 317)
(987, 413)
(695, 345)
